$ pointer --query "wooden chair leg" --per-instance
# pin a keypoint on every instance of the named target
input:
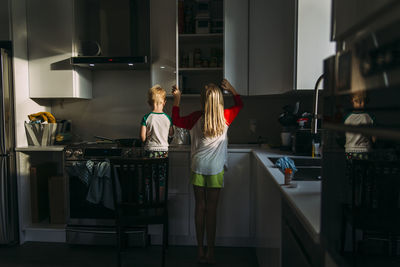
(167, 233)
(164, 245)
(354, 241)
(119, 248)
(343, 232)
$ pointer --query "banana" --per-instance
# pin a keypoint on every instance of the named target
(45, 116)
(50, 117)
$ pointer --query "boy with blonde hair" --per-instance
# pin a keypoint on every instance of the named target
(156, 125)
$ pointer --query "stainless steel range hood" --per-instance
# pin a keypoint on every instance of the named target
(99, 62)
(111, 34)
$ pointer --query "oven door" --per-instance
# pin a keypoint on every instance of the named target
(81, 212)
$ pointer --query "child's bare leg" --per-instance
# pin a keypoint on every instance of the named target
(211, 221)
(200, 210)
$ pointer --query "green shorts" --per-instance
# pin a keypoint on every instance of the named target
(211, 181)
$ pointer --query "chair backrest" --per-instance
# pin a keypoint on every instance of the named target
(376, 186)
(141, 182)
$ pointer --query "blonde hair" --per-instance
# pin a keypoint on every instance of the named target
(156, 95)
(359, 96)
(213, 106)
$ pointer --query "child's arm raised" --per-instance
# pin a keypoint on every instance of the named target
(186, 122)
(231, 113)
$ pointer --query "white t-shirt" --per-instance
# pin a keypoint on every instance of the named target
(157, 130)
(357, 143)
(208, 154)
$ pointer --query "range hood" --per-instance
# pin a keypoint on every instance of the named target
(111, 35)
(100, 62)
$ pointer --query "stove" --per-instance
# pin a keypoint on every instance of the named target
(89, 223)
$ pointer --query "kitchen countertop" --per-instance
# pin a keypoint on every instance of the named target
(39, 148)
(231, 148)
(305, 199)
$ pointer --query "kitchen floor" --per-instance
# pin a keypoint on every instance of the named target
(34, 254)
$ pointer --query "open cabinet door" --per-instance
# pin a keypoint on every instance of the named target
(164, 43)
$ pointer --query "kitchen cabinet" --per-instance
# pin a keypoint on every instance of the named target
(287, 44)
(178, 195)
(235, 202)
(45, 230)
(298, 248)
(235, 207)
(193, 51)
(267, 217)
(164, 43)
(50, 26)
(271, 46)
(4, 20)
(200, 44)
(236, 34)
(179, 198)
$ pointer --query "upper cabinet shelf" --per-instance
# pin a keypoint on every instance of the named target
(200, 44)
(205, 42)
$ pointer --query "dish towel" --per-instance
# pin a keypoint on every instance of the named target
(285, 162)
(100, 187)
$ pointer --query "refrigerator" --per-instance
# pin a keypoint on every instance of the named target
(8, 181)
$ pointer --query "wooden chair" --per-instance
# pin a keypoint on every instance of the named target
(140, 187)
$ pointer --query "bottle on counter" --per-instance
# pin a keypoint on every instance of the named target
(288, 176)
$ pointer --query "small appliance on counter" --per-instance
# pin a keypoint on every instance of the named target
(302, 141)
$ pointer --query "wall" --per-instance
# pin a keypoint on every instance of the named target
(118, 105)
(120, 101)
(263, 111)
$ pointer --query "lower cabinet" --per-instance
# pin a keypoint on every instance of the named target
(235, 209)
(292, 250)
(298, 248)
(267, 217)
(235, 206)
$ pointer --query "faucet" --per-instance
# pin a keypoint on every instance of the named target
(314, 122)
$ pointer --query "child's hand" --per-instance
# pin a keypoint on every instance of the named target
(227, 86)
(175, 91)
(177, 95)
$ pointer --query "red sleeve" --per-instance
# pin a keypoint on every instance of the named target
(231, 113)
(186, 122)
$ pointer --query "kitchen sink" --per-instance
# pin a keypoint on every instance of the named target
(308, 169)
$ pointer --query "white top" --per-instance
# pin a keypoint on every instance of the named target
(209, 155)
(157, 130)
(357, 143)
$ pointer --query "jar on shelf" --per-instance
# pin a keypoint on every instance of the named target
(197, 58)
(205, 63)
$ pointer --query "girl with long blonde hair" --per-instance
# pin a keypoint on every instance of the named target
(209, 145)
